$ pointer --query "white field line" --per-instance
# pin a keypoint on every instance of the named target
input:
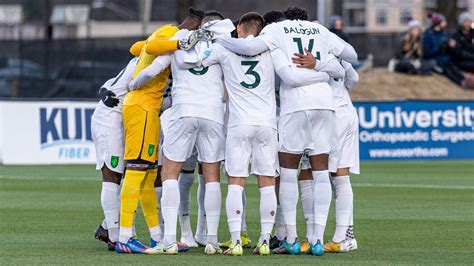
(251, 181)
(422, 186)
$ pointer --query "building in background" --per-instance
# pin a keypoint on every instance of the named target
(383, 16)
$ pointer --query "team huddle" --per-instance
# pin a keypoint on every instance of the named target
(264, 98)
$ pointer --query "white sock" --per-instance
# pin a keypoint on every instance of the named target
(212, 204)
(343, 191)
(159, 193)
(111, 207)
(201, 222)
(243, 228)
(307, 202)
(280, 230)
(156, 233)
(322, 202)
(233, 207)
(289, 200)
(125, 234)
(268, 204)
(104, 224)
(169, 208)
(185, 182)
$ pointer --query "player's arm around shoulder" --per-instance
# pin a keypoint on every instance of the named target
(159, 42)
(158, 65)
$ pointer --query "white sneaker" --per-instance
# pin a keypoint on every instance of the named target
(160, 248)
(212, 249)
(350, 245)
(189, 241)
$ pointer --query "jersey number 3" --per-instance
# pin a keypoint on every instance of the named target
(299, 43)
(251, 71)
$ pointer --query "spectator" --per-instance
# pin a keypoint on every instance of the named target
(437, 45)
(410, 58)
(463, 52)
(335, 26)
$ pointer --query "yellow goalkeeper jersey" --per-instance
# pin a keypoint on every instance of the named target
(150, 96)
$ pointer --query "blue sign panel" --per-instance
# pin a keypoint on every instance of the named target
(416, 130)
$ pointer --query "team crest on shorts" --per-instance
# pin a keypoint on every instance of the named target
(151, 148)
(114, 160)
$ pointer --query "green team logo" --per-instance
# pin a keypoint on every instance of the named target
(151, 148)
(114, 160)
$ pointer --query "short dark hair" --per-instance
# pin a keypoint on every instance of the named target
(252, 20)
(294, 12)
(213, 13)
(273, 16)
(196, 12)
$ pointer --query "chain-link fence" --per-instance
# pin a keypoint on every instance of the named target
(60, 68)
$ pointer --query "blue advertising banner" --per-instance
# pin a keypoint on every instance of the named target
(416, 130)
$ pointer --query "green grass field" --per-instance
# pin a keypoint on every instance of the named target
(405, 213)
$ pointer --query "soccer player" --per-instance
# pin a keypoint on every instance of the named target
(197, 118)
(107, 133)
(142, 129)
(306, 116)
(251, 132)
(344, 160)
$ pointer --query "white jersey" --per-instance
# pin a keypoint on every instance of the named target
(112, 117)
(250, 85)
(197, 92)
(340, 93)
(292, 36)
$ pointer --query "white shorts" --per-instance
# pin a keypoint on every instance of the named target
(109, 145)
(251, 144)
(308, 130)
(160, 149)
(345, 140)
(184, 133)
(190, 163)
(164, 122)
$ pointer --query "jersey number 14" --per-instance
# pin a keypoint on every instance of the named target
(299, 43)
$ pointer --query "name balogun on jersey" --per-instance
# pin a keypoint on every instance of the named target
(55, 131)
(303, 31)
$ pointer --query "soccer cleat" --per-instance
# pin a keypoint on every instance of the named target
(305, 246)
(182, 247)
(274, 242)
(288, 248)
(189, 241)
(200, 240)
(351, 244)
(246, 242)
(317, 249)
(102, 234)
(262, 249)
(212, 249)
(132, 246)
(332, 247)
(111, 246)
(160, 248)
(235, 250)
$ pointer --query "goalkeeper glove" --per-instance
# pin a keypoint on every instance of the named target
(196, 36)
(107, 97)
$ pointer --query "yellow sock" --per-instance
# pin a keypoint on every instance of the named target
(161, 46)
(148, 199)
(132, 183)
